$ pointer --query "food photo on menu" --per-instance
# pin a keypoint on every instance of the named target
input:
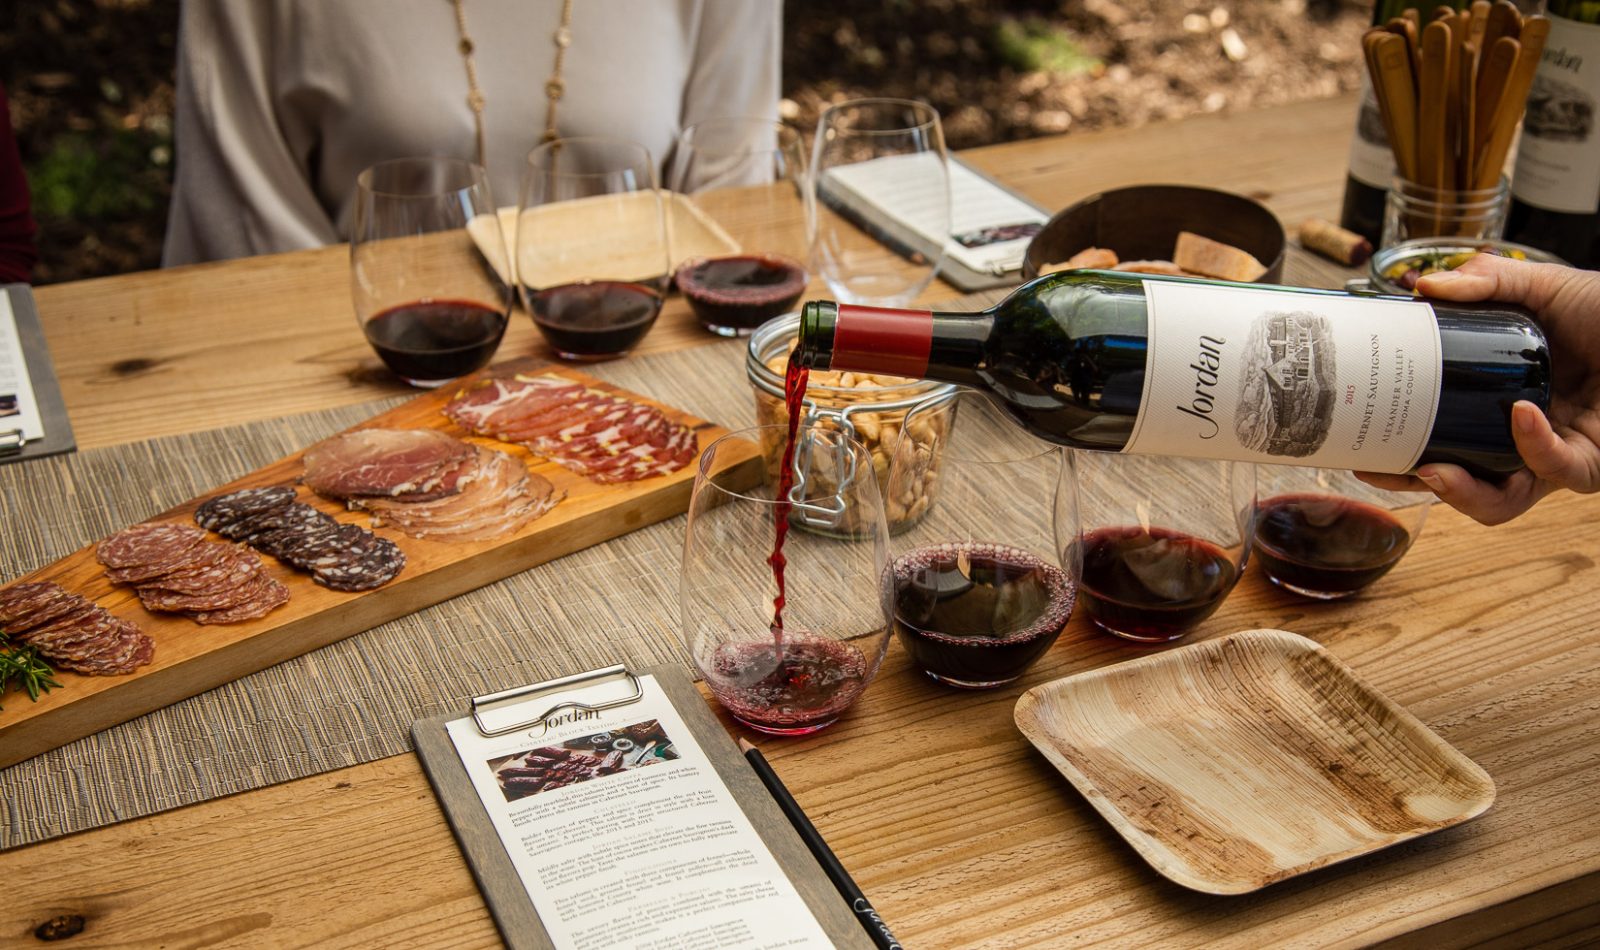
(579, 760)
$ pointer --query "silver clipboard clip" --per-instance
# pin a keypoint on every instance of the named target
(481, 704)
(11, 441)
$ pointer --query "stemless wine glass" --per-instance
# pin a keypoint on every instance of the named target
(1157, 543)
(881, 164)
(592, 257)
(795, 670)
(426, 259)
(978, 593)
(751, 172)
(1326, 534)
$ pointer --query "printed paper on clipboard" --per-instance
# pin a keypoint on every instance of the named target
(618, 825)
(19, 409)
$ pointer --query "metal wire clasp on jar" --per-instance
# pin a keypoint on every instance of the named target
(871, 409)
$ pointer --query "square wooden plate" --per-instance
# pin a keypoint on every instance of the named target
(1237, 762)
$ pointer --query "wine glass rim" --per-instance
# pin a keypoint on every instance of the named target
(475, 174)
(784, 131)
(930, 114)
(536, 155)
(752, 434)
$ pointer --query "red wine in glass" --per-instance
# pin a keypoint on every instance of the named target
(734, 295)
(977, 615)
(1151, 584)
(1326, 546)
(427, 342)
(791, 687)
(594, 319)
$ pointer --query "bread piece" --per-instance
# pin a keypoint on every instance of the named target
(1093, 258)
(1153, 267)
(1215, 259)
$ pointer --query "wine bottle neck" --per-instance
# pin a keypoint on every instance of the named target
(921, 344)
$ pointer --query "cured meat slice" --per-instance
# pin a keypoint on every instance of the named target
(231, 589)
(219, 514)
(383, 462)
(598, 435)
(266, 595)
(351, 558)
(71, 631)
(148, 545)
(502, 498)
(290, 526)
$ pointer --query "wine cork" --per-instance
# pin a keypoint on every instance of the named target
(1334, 242)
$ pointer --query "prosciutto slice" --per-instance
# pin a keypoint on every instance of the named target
(501, 497)
(392, 462)
(600, 436)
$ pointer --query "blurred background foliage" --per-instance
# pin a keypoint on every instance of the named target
(91, 85)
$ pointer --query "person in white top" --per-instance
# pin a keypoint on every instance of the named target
(281, 103)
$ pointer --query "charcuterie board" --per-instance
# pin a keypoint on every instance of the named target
(191, 658)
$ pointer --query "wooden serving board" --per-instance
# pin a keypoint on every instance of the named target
(191, 658)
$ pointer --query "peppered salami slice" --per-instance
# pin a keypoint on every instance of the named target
(148, 544)
(267, 595)
(222, 513)
(233, 568)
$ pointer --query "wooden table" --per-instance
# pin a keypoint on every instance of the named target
(961, 834)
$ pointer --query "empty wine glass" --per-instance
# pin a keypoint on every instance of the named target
(591, 241)
(787, 660)
(749, 174)
(1326, 534)
(429, 318)
(879, 165)
(1156, 543)
(978, 591)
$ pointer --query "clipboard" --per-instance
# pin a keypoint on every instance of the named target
(497, 877)
(52, 408)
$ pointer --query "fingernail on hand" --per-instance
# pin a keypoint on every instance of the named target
(1524, 419)
(1443, 277)
(1433, 481)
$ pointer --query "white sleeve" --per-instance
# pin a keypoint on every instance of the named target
(738, 61)
(239, 188)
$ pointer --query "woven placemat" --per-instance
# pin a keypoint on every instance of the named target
(353, 701)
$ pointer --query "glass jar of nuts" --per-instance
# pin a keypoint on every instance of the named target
(871, 409)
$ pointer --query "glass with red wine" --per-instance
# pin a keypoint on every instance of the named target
(750, 171)
(787, 627)
(979, 592)
(591, 245)
(1327, 535)
(428, 317)
(1156, 543)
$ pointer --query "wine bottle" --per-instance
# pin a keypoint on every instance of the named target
(1371, 156)
(1172, 366)
(1555, 188)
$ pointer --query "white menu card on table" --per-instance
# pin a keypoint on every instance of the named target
(20, 421)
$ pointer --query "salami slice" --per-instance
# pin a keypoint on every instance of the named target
(221, 513)
(267, 595)
(148, 544)
(73, 632)
(24, 607)
(360, 564)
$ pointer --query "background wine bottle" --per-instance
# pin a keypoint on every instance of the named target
(1271, 374)
(1371, 160)
(1555, 189)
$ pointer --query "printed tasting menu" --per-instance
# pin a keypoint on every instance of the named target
(19, 410)
(624, 835)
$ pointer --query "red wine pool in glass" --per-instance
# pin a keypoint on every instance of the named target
(1326, 546)
(426, 342)
(977, 615)
(594, 319)
(1151, 584)
(734, 295)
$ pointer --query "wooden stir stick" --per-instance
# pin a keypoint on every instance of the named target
(1513, 99)
(1432, 101)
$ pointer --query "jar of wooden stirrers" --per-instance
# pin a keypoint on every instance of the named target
(1413, 210)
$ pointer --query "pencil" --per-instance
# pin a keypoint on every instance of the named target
(875, 927)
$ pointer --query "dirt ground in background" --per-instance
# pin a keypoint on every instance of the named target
(90, 83)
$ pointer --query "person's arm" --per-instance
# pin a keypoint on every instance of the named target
(1561, 450)
(17, 251)
(738, 61)
(240, 188)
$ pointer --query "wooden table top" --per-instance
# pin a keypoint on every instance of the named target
(960, 833)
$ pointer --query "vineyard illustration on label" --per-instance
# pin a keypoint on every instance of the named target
(1558, 111)
(1287, 393)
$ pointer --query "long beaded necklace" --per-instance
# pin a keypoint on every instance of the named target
(554, 87)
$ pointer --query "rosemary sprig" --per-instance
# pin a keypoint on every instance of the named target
(21, 665)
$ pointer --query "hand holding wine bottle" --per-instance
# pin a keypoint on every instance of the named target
(1561, 451)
